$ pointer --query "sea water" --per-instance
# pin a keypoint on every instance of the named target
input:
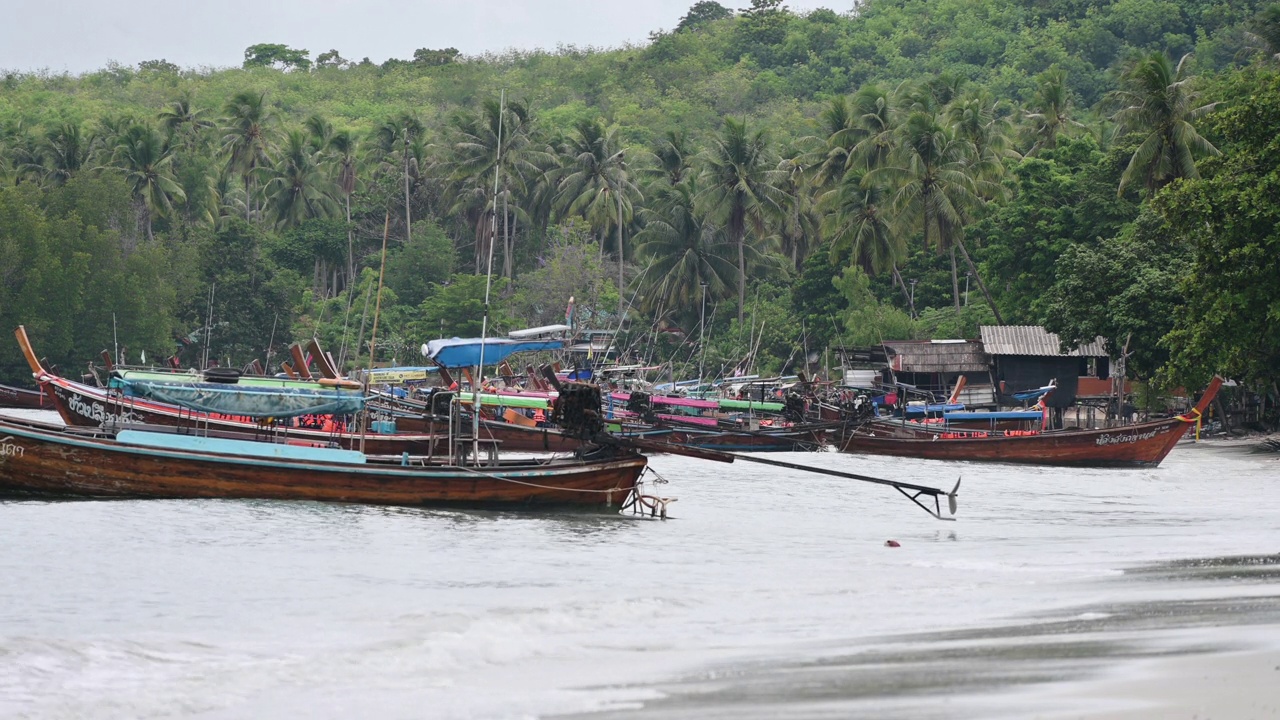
(768, 591)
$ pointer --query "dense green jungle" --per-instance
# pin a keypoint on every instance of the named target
(776, 183)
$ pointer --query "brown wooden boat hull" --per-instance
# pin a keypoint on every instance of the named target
(1135, 445)
(1143, 445)
(22, 398)
(47, 463)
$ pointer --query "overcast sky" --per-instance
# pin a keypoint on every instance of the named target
(84, 35)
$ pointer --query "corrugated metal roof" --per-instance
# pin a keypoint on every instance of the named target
(933, 356)
(1032, 340)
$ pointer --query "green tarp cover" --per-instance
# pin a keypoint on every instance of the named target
(750, 405)
(514, 401)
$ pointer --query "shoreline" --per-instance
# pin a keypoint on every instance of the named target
(1212, 653)
(1241, 683)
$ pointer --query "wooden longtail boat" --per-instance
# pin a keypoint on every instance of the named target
(1144, 444)
(22, 398)
(87, 406)
(45, 461)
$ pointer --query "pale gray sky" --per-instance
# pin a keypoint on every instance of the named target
(83, 35)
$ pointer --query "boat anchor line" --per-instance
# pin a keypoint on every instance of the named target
(910, 491)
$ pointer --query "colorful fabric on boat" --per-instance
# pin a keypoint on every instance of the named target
(247, 401)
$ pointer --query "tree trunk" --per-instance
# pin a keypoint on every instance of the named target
(506, 237)
(906, 295)
(981, 285)
(515, 231)
(742, 279)
(955, 283)
(408, 230)
(351, 253)
(247, 202)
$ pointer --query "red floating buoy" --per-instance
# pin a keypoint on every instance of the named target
(891, 543)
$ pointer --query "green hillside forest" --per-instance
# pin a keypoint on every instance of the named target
(778, 183)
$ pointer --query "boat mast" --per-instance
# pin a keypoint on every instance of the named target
(488, 284)
(373, 337)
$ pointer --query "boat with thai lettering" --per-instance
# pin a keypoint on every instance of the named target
(204, 460)
(1143, 444)
(16, 397)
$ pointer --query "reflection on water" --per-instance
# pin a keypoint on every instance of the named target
(772, 594)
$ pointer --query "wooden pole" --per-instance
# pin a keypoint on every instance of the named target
(373, 337)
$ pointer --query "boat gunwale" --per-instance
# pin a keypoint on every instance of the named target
(550, 468)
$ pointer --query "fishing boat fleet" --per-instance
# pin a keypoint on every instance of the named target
(451, 435)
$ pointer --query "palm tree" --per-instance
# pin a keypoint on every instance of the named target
(65, 152)
(684, 250)
(183, 120)
(935, 189)
(245, 139)
(839, 135)
(1265, 34)
(739, 189)
(344, 146)
(1050, 113)
(797, 219)
(146, 161)
(674, 154)
(319, 133)
(597, 186)
(876, 119)
(857, 224)
(983, 122)
(477, 154)
(1157, 102)
(298, 191)
(403, 134)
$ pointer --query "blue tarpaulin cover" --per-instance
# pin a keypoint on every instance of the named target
(465, 352)
(1004, 415)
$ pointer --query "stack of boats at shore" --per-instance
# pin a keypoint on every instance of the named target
(222, 434)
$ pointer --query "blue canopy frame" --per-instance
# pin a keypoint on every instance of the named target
(465, 352)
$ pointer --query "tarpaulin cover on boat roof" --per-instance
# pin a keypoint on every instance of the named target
(249, 401)
(465, 352)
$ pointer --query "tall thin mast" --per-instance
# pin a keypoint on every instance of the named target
(488, 284)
